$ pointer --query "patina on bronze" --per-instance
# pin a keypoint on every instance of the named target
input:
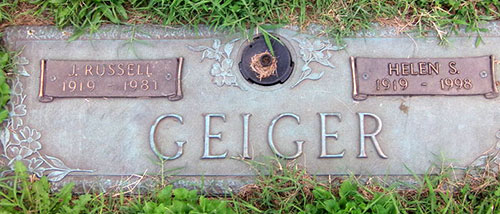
(110, 78)
(423, 76)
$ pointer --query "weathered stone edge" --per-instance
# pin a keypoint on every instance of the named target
(108, 32)
(212, 185)
(157, 32)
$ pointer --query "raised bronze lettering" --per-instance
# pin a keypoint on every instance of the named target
(434, 67)
(412, 70)
(453, 70)
(112, 71)
(130, 69)
(120, 67)
(110, 78)
(97, 70)
(147, 71)
(422, 69)
(88, 70)
(393, 69)
(73, 74)
(461, 76)
(405, 68)
(139, 70)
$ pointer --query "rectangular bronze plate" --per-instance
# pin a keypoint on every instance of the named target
(111, 78)
(423, 76)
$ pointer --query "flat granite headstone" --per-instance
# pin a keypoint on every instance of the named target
(104, 107)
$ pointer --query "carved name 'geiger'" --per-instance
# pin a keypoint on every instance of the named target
(363, 135)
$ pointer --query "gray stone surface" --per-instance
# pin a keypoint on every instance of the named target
(100, 142)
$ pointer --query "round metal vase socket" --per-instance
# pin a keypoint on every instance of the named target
(258, 46)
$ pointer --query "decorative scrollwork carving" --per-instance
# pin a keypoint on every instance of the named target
(221, 71)
(21, 142)
(314, 51)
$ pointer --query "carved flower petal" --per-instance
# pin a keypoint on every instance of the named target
(4, 136)
(216, 44)
(318, 55)
(39, 171)
(230, 80)
(227, 64)
(17, 122)
(323, 59)
(18, 88)
(211, 54)
(35, 134)
(22, 61)
(19, 110)
(13, 151)
(22, 71)
(228, 48)
(35, 146)
(25, 152)
(25, 132)
(219, 80)
(16, 140)
(35, 163)
(57, 175)
(304, 44)
(306, 54)
(216, 69)
(318, 45)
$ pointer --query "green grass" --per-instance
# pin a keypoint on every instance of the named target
(281, 188)
(342, 18)
(6, 10)
(6, 65)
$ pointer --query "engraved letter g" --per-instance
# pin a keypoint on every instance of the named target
(180, 144)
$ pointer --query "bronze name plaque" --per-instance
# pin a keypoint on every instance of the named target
(423, 76)
(111, 78)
